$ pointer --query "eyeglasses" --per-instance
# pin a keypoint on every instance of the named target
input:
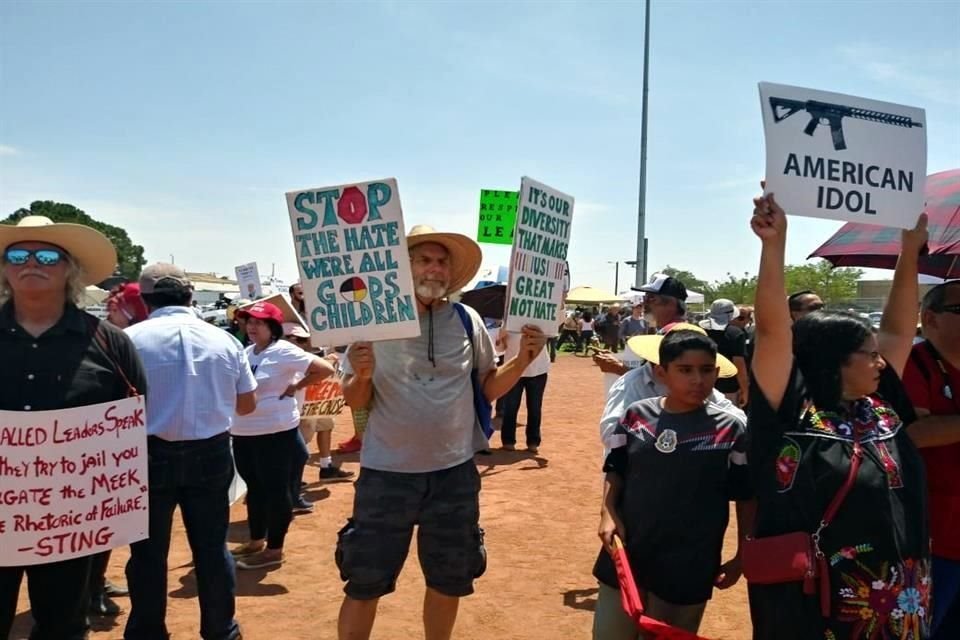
(44, 257)
(873, 355)
(948, 308)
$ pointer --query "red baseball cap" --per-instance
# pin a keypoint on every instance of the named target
(262, 311)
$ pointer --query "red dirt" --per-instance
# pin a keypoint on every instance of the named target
(540, 514)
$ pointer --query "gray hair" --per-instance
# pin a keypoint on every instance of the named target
(74, 286)
(937, 297)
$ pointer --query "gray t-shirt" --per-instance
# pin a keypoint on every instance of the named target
(422, 416)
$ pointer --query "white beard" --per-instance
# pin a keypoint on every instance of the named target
(430, 290)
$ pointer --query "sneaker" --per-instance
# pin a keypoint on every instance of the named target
(261, 560)
(302, 506)
(508, 447)
(101, 605)
(248, 549)
(334, 474)
(113, 590)
(353, 445)
(533, 449)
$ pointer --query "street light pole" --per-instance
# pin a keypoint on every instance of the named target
(641, 267)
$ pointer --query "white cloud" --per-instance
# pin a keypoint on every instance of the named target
(930, 74)
(7, 150)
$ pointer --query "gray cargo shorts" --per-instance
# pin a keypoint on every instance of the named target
(445, 506)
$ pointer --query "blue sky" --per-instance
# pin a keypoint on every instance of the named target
(186, 122)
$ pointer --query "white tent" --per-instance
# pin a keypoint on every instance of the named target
(590, 295)
(694, 297)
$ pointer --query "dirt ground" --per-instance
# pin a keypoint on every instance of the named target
(540, 515)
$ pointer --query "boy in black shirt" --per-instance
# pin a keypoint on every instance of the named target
(667, 490)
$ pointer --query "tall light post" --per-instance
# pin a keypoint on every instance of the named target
(616, 275)
(641, 266)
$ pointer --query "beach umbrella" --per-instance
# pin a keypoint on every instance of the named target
(864, 245)
(633, 605)
(591, 295)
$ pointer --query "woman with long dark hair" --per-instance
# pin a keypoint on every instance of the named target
(833, 463)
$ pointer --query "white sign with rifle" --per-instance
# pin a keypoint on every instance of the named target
(841, 157)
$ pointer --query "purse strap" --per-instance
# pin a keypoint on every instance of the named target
(841, 495)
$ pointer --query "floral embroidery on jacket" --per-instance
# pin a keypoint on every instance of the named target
(870, 418)
(891, 603)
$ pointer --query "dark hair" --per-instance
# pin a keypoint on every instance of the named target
(823, 343)
(168, 298)
(678, 342)
(276, 329)
(587, 316)
(793, 301)
(934, 299)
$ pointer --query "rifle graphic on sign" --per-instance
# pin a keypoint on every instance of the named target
(832, 114)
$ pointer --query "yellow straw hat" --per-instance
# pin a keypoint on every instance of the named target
(92, 250)
(648, 347)
(465, 254)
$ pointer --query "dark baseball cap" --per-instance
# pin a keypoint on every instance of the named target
(664, 285)
(161, 277)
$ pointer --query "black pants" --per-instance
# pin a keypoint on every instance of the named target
(58, 598)
(534, 387)
(265, 463)
(571, 335)
(301, 454)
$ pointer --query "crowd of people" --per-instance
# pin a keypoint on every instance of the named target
(837, 443)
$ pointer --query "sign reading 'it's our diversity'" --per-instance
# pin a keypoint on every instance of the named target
(352, 253)
(538, 261)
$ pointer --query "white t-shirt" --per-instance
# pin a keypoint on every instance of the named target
(586, 325)
(275, 368)
(540, 364)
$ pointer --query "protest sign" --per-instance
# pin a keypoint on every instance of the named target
(323, 399)
(248, 279)
(498, 216)
(74, 481)
(539, 258)
(354, 266)
(841, 157)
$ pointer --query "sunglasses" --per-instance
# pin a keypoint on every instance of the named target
(816, 306)
(948, 308)
(44, 257)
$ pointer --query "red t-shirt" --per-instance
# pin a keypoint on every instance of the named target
(925, 385)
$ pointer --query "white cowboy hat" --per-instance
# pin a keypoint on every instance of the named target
(92, 250)
(465, 254)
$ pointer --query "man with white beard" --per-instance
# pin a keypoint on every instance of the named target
(416, 465)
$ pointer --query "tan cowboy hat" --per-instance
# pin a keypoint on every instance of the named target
(92, 250)
(465, 254)
(648, 347)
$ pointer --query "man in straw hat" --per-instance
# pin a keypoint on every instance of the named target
(54, 358)
(417, 464)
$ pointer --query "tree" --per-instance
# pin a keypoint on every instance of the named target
(689, 280)
(129, 255)
(821, 278)
(741, 290)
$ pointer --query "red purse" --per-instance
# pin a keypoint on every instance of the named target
(796, 557)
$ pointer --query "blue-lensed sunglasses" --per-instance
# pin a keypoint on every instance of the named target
(45, 257)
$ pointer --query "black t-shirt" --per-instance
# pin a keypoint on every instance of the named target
(65, 367)
(731, 342)
(878, 546)
(679, 473)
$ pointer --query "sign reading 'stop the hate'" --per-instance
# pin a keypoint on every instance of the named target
(835, 156)
(354, 265)
(539, 260)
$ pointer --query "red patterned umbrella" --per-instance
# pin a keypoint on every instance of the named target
(866, 245)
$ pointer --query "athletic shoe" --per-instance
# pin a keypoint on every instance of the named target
(260, 561)
(353, 445)
(113, 590)
(533, 450)
(302, 506)
(334, 474)
(247, 549)
(508, 447)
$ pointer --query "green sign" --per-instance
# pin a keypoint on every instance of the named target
(498, 216)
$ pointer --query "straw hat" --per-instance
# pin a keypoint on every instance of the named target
(648, 347)
(92, 250)
(465, 254)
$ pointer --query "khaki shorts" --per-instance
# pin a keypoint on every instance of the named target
(315, 424)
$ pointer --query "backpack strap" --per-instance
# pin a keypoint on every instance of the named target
(481, 406)
(100, 339)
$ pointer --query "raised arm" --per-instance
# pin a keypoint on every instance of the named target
(773, 354)
(898, 325)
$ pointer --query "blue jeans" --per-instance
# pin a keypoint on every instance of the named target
(534, 387)
(194, 475)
